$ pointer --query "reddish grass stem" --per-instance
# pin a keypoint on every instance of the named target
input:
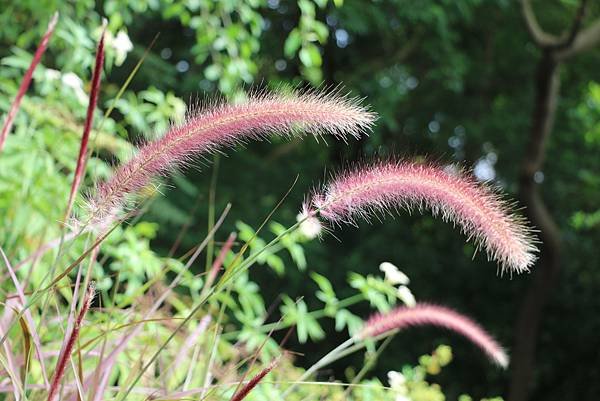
(14, 108)
(95, 88)
(218, 263)
(61, 364)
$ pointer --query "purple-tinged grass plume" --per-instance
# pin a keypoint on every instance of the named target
(213, 128)
(89, 118)
(435, 315)
(244, 391)
(39, 52)
(456, 197)
(65, 356)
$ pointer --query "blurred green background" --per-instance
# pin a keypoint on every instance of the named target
(453, 80)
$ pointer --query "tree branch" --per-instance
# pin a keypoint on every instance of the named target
(576, 25)
(539, 36)
(583, 41)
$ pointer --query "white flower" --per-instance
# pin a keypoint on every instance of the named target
(122, 45)
(51, 75)
(398, 384)
(311, 227)
(72, 80)
(393, 275)
(406, 296)
(397, 380)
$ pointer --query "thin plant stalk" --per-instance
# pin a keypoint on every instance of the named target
(61, 364)
(39, 52)
(324, 361)
(71, 235)
(212, 191)
(28, 317)
(106, 365)
(368, 365)
(89, 118)
(218, 262)
(10, 367)
(220, 284)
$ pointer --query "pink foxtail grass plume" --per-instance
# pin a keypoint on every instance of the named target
(215, 127)
(244, 391)
(434, 315)
(89, 118)
(65, 356)
(39, 52)
(478, 210)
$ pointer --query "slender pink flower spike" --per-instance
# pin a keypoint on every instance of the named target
(14, 108)
(87, 128)
(456, 197)
(225, 125)
(64, 357)
(244, 391)
(434, 315)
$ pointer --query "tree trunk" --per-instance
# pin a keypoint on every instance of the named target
(544, 273)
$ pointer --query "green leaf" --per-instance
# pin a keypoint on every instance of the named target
(292, 43)
(323, 283)
(321, 31)
(313, 74)
(213, 72)
(307, 7)
(276, 263)
(344, 318)
(310, 56)
(297, 253)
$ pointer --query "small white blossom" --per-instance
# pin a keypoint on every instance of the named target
(122, 45)
(406, 296)
(393, 274)
(398, 384)
(122, 42)
(311, 227)
(396, 379)
(51, 75)
(72, 81)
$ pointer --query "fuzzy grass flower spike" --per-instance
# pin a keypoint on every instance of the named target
(210, 129)
(423, 314)
(479, 212)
